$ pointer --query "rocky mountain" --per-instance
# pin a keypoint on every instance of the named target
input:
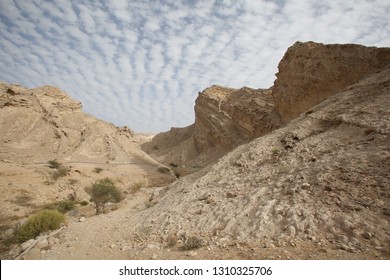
(324, 179)
(226, 118)
(44, 124)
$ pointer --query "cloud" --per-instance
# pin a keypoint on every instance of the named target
(142, 63)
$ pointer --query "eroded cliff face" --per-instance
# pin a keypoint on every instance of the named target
(311, 72)
(226, 117)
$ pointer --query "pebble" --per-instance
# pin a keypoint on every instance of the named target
(181, 233)
(42, 243)
(26, 244)
(290, 230)
(367, 235)
(344, 247)
(192, 254)
(125, 248)
(82, 219)
(152, 246)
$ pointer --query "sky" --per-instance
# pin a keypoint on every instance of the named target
(142, 63)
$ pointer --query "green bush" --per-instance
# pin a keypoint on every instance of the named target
(62, 206)
(84, 203)
(102, 192)
(41, 222)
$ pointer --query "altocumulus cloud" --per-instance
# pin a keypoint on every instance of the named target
(142, 63)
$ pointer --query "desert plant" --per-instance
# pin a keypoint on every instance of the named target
(137, 186)
(102, 192)
(54, 164)
(41, 222)
(98, 169)
(62, 206)
(172, 241)
(275, 151)
(60, 172)
(84, 203)
(73, 181)
(192, 243)
(173, 164)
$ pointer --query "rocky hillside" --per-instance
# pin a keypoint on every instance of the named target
(226, 118)
(45, 124)
(324, 178)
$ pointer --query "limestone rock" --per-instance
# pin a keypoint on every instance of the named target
(310, 72)
(224, 119)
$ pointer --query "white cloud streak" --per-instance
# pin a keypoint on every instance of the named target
(142, 63)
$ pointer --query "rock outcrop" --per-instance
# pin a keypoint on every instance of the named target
(311, 72)
(224, 119)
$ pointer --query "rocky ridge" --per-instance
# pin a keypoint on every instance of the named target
(310, 72)
(226, 118)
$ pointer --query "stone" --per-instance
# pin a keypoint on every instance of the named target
(152, 246)
(26, 244)
(367, 235)
(82, 219)
(181, 234)
(192, 254)
(291, 230)
(42, 243)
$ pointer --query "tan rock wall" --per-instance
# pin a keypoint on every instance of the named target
(310, 72)
(225, 117)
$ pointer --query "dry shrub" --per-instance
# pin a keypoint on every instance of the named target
(192, 243)
(41, 222)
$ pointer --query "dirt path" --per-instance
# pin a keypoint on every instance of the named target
(115, 236)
